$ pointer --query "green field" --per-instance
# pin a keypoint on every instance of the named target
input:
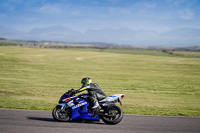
(154, 83)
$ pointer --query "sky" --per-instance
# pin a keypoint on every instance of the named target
(82, 15)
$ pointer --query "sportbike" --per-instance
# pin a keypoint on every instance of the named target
(73, 107)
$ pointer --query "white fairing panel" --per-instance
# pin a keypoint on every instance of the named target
(111, 99)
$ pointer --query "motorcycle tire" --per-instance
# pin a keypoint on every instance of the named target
(61, 116)
(114, 115)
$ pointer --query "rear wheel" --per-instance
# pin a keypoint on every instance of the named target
(61, 115)
(113, 116)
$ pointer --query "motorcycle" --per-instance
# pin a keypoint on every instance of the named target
(73, 107)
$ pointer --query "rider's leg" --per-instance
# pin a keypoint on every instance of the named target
(94, 100)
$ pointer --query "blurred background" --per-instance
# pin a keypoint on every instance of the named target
(145, 49)
(132, 22)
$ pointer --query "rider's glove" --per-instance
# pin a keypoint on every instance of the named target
(72, 92)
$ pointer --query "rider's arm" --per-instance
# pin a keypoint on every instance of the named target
(82, 89)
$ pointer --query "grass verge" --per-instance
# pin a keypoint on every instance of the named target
(153, 82)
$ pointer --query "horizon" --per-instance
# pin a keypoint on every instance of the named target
(146, 20)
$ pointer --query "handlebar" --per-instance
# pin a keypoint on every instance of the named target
(71, 92)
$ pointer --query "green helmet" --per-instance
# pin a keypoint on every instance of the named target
(86, 81)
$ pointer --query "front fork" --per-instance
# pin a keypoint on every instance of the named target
(63, 107)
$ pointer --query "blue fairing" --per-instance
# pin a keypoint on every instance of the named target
(80, 108)
(63, 97)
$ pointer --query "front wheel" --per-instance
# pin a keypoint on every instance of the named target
(61, 115)
(113, 116)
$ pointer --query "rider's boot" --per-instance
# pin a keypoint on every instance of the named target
(96, 105)
(95, 111)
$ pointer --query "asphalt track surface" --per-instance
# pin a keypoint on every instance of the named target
(23, 121)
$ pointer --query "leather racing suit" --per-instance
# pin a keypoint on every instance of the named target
(95, 93)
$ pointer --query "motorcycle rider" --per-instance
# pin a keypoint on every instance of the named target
(94, 91)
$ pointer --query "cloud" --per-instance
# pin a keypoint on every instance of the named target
(81, 15)
(177, 3)
(76, 13)
(50, 9)
(149, 5)
(187, 14)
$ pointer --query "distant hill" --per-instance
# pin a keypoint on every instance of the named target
(124, 36)
(53, 44)
(9, 32)
(55, 33)
(191, 48)
(3, 38)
